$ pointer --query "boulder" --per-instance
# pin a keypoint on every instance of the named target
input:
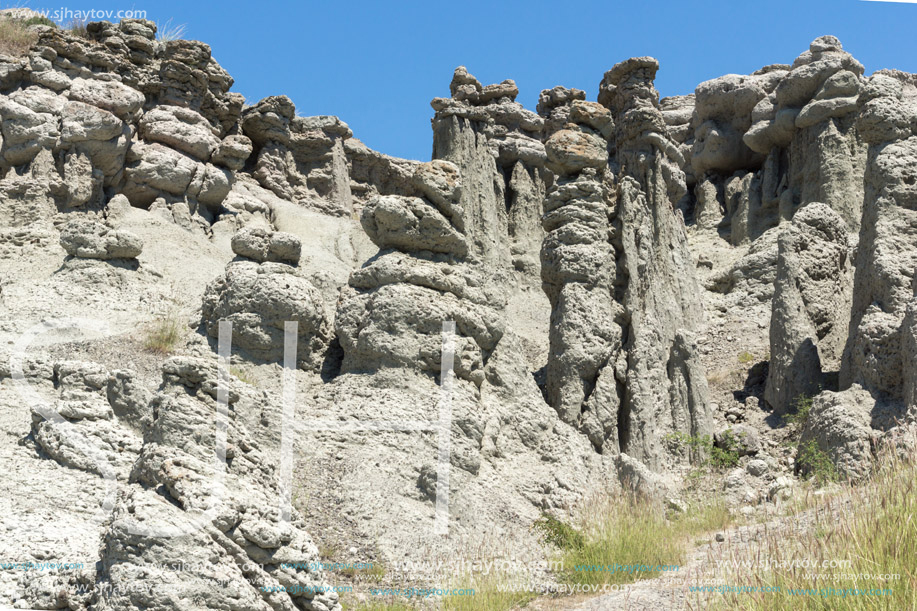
(87, 239)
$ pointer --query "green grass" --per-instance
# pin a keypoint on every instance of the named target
(630, 530)
(163, 334)
(492, 591)
(378, 606)
(873, 526)
(746, 357)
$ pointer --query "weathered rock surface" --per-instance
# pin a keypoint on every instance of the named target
(134, 183)
(811, 301)
(86, 239)
(259, 298)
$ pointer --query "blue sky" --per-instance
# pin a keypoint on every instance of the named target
(377, 65)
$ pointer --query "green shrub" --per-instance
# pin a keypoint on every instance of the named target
(705, 452)
(815, 463)
(746, 357)
(559, 534)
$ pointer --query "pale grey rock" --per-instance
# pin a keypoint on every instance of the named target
(410, 224)
(757, 467)
(25, 132)
(86, 239)
(154, 168)
(261, 245)
(723, 113)
(878, 353)
(839, 426)
(233, 152)
(81, 122)
(79, 430)
(810, 308)
(123, 101)
(258, 299)
(180, 128)
(637, 477)
(301, 159)
(744, 439)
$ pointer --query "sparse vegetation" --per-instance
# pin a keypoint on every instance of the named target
(873, 527)
(168, 31)
(163, 334)
(15, 36)
(491, 591)
(242, 374)
(559, 534)
(77, 27)
(629, 530)
(705, 452)
(815, 463)
(797, 420)
(746, 357)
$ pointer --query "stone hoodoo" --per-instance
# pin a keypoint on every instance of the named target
(880, 353)
(617, 270)
(766, 144)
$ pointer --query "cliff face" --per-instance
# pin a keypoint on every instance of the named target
(574, 249)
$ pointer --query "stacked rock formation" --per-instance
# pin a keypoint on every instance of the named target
(260, 292)
(880, 352)
(623, 303)
(766, 144)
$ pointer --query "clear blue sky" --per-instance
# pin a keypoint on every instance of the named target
(377, 65)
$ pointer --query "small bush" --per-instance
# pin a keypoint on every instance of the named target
(706, 452)
(38, 20)
(77, 27)
(746, 357)
(15, 37)
(163, 334)
(559, 534)
(815, 463)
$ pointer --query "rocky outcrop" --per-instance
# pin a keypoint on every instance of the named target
(767, 144)
(86, 239)
(810, 307)
(839, 427)
(579, 272)
(879, 354)
(261, 291)
(300, 159)
(616, 268)
(126, 113)
(160, 450)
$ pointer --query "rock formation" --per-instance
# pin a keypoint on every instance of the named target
(616, 268)
(810, 308)
(564, 245)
